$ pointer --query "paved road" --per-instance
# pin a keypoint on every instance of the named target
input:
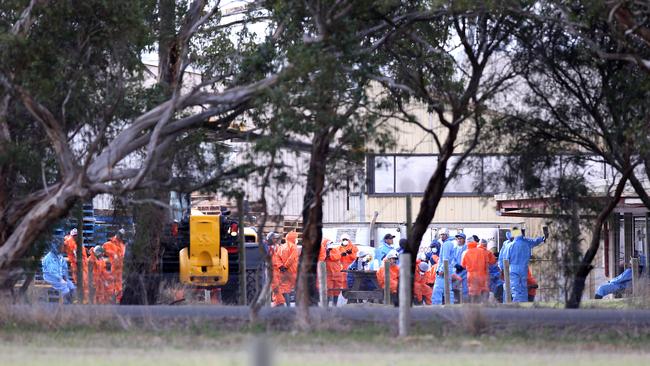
(381, 314)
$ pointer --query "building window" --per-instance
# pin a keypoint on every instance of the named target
(412, 173)
(409, 174)
(384, 174)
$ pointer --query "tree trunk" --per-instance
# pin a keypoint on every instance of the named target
(142, 272)
(585, 264)
(312, 231)
(37, 219)
(142, 262)
(431, 198)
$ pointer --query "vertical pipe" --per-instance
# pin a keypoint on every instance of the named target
(322, 284)
(386, 282)
(647, 244)
(616, 244)
(606, 237)
(628, 220)
(405, 295)
(506, 281)
(635, 277)
(445, 268)
(242, 251)
(409, 218)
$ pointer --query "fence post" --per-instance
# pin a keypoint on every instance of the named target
(445, 268)
(322, 284)
(386, 282)
(261, 353)
(405, 296)
(91, 282)
(635, 276)
(506, 280)
(243, 296)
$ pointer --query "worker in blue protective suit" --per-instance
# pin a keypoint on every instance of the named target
(386, 246)
(518, 252)
(434, 250)
(55, 270)
(459, 250)
(447, 252)
(494, 273)
(505, 249)
(508, 240)
(618, 283)
(402, 246)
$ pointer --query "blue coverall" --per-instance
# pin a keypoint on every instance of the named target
(55, 271)
(458, 257)
(518, 253)
(382, 250)
(495, 278)
(618, 283)
(447, 251)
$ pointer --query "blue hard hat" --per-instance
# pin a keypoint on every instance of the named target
(461, 235)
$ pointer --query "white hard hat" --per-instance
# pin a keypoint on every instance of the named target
(330, 244)
(362, 253)
(444, 230)
(73, 232)
(491, 244)
(422, 256)
(424, 266)
(271, 236)
(392, 254)
(345, 237)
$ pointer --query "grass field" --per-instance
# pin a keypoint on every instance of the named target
(81, 337)
(367, 346)
(28, 356)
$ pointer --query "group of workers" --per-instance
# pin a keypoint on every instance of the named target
(60, 268)
(475, 267)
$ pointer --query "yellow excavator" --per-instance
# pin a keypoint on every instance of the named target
(205, 262)
(212, 252)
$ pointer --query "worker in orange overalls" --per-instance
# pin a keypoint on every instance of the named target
(421, 269)
(100, 275)
(115, 250)
(70, 247)
(70, 250)
(394, 276)
(292, 263)
(348, 251)
(429, 282)
(284, 258)
(477, 261)
(332, 258)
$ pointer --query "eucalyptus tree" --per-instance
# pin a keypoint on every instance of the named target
(75, 117)
(587, 109)
(453, 66)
